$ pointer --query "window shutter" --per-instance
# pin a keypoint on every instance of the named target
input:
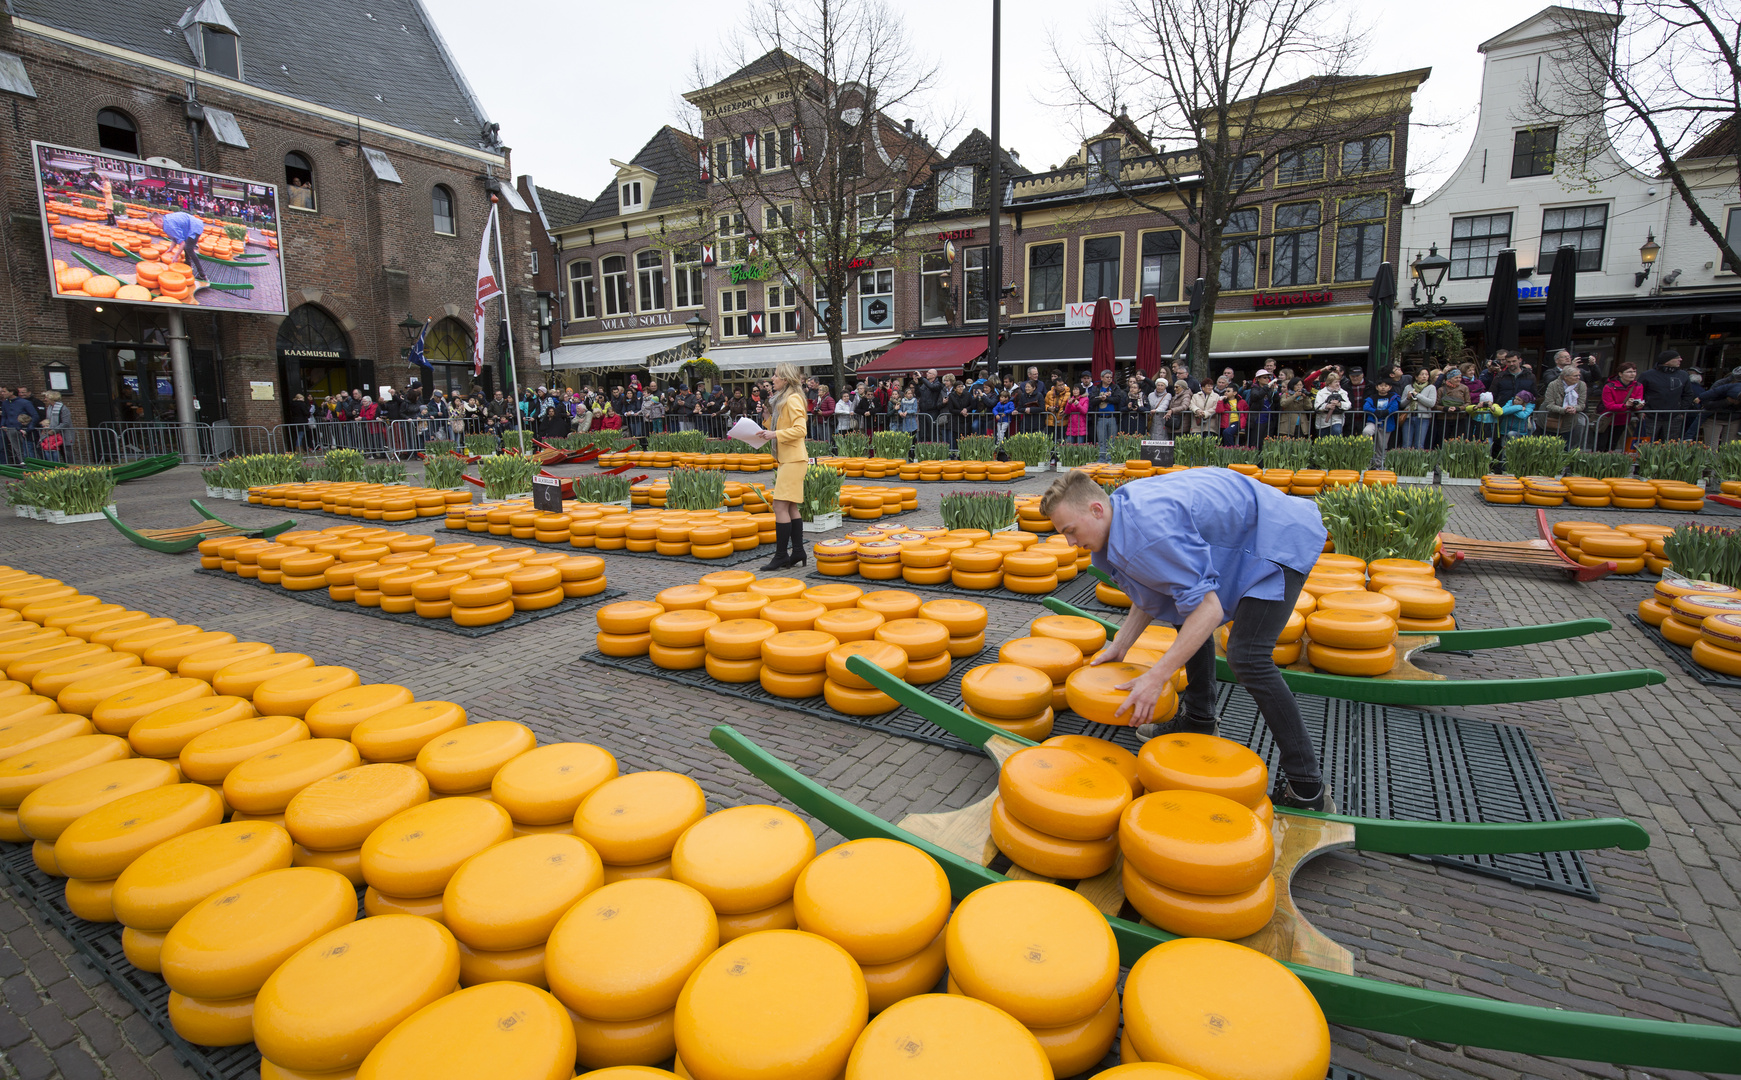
(756, 319)
(707, 254)
(750, 146)
(706, 172)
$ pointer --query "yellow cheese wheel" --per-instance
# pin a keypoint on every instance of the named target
(962, 647)
(348, 862)
(785, 684)
(1121, 760)
(884, 655)
(1335, 661)
(1201, 762)
(680, 597)
(46, 812)
(962, 618)
(26, 706)
(87, 629)
(849, 624)
(727, 581)
(467, 758)
(1110, 596)
(546, 786)
(266, 782)
(1716, 658)
(510, 897)
(906, 977)
(339, 812)
(168, 653)
(796, 613)
(920, 639)
(1184, 999)
(738, 639)
(1093, 694)
(733, 671)
(165, 732)
(86, 694)
(782, 1003)
(1048, 855)
(293, 694)
(1190, 915)
(745, 858)
(1007, 691)
(91, 899)
(337, 715)
(399, 734)
(209, 757)
(638, 818)
(1346, 629)
(855, 702)
(930, 670)
(243, 677)
(496, 1029)
(51, 679)
(27, 733)
(738, 605)
(102, 842)
(834, 596)
(1040, 952)
(1670, 590)
(1033, 728)
(798, 652)
(1074, 1048)
(1421, 601)
(1196, 842)
(685, 628)
(143, 949)
(778, 588)
(780, 916)
(962, 1039)
(891, 603)
(1054, 656)
(415, 852)
(331, 1002)
(511, 965)
(165, 883)
(206, 663)
(424, 907)
(24, 668)
(624, 951)
(1062, 793)
(23, 773)
(611, 1048)
(212, 1023)
(116, 715)
(1361, 599)
(1694, 610)
(1414, 567)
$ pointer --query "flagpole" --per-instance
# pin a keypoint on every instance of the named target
(507, 322)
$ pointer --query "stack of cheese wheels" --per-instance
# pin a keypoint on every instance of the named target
(1034, 570)
(482, 600)
(46, 812)
(925, 563)
(465, 760)
(733, 647)
(976, 567)
(1069, 998)
(218, 955)
(1053, 655)
(879, 559)
(964, 620)
(1687, 614)
(1352, 636)
(1597, 547)
(1658, 606)
(329, 819)
(849, 693)
(776, 1003)
(409, 858)
(619, 958)
(92, 850)
(1544, 491)
(745, 860)
(1029, 518)
(1068, 556)
(497, 1029)
(792, 614)
(1057, 812)
(541, 789)
(260, 787)
(1423, 604)
(1197, 856)
(165, 883)
(794, 662)
(964, 1039)
(1504, 490)
(836, 558)
(677, 638)
(503, 902)
(1585, 491)
(886, 904)
(1110, 595)
(1719, 644)
(634, 821)
(926, 643)
(1182, 998)
(401, 733)
(1014, 697)
(624, 628)
(333, 1000)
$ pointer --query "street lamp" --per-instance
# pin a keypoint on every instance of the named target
(1429, 270)
(412, 326)
(1647, 255)
(698, 328)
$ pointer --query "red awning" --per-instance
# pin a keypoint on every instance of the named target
(946, 354)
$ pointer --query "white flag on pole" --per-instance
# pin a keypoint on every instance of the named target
(487, 290)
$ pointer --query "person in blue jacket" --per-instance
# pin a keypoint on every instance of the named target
(185, 229)
(1381, 407)
(1196, 549)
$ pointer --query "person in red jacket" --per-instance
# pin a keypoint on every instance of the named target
(1622, 399)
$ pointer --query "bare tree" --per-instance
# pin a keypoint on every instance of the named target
(1240, 88)
(810, 174)
(1654, 80)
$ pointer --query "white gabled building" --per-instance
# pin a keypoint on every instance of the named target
(1510, 192)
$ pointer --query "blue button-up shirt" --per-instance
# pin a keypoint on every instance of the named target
(1176, 538)
(182, 227)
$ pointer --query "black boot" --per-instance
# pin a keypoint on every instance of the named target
(782, 539)
(798, 556)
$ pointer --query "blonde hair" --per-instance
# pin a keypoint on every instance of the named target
(794, 380)
(1076, 488)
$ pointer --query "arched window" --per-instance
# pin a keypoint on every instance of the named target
(312, 332)
(441, 203)
(117, 133)
(449, 342)
(581, 304)
(650, 270)
(616, 275)
(298, 182)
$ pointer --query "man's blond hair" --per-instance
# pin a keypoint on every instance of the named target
(1076, 488)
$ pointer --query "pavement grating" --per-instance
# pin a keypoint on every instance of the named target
(1683, 656)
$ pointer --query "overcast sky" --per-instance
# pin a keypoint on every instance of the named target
(576, 84)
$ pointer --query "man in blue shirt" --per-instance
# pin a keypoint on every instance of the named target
(185, 229)
(1195, 549)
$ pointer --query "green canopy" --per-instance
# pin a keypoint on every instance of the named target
(1262, 336)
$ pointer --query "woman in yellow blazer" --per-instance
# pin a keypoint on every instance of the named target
(786, 423)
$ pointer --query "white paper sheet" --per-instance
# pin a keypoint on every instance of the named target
(747, 430)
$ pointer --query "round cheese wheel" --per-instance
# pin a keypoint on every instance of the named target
(738, 639)
(165, 883)
(962, 618)
(638, 818)
(144, 950)
(920, 639)
(1335, 661)
(84, 695)
(1421, 601)
(546, 786)
(1048, 855)
(1347, 629)
(906, 977)
(685, 628)
(265, 783)
(206, 663)
(116, 715)
(481, 591)
(726, 581)
(1201, 762)
(1190, 915)
(610, 1048)
(778, 588)
(779, 1003)
(1062, 793)
(745, 858)
(168, 653)
(794, 614)
(1040, 952)
(415, 852)
(1196, 842)
(331, 1002)
(780, 916)
(88, 629)
(166, 732)
(467, 758)
(849, 624)
(891, 603)
(91, 899)
(23, 773)
(1074, 1048)
(681, 597)
(337, 715)
(855, 702)
(1054, 656)
(961, 1038)
(511, 965)
(51, 679)
(511, 896)
(1093, 695)
(46, 812)
(889, 657)
(212, 1023)
(400, 733)
(624, 951)
(24, 668)
(1670, 590)
(1110, 596)
(496, 1029)
(102, 842)
(733, 671)
(27, 733)
(798, 652)
(1104, 750)
(738, 605)
(834, 596)
(25, 707)
(424, 907)
(1007, 691)
(209, 757)
(1360, 600)
(294, 693)
(962, 647)
(243, 677)
(1184, 998)
(348, 862)
(785, 684)
(1716, 658)
(339, 812)
(1695, 609)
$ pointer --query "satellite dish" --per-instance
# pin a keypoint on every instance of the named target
(163, 162)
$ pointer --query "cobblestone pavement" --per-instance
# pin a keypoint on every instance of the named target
(1663, 941)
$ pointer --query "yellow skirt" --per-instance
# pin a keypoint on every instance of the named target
(789, 481)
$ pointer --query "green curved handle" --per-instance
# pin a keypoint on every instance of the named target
(1346, 999)
(268, 532)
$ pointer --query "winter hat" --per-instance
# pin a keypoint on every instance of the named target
(1486, 399)
(1524, 397)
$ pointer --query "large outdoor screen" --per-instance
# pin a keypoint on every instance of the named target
(123, 231)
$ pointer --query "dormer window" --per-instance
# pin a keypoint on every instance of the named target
(1103, 160)
(955, 189)
(214, 38)
(630, 193)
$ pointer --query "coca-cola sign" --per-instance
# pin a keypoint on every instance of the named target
(1299, 299)
(1591, 324)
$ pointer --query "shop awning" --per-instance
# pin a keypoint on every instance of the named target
(1077, 346)
(805, 354)
(622, 353)
(946, 354)
(1291, 335)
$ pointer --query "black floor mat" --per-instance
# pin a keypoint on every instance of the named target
(945, 589)
(1683, 656)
